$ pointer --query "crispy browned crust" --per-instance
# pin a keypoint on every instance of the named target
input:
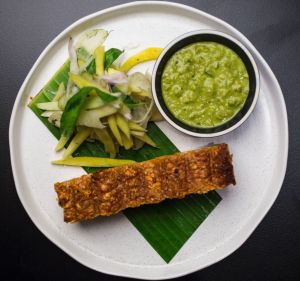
(109, 191)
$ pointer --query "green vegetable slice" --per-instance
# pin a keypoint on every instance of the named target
(166, 226)
(72, 110)
(91, 68)
(74, 106)
(110, 56)
(51, 105)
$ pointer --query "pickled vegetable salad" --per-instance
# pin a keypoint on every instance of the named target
(101, 101)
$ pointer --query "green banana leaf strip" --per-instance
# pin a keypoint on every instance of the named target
(166, 226)
(47, 94)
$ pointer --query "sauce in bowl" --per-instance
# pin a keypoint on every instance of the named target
(205, 84)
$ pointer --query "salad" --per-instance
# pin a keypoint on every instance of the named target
(101, 101)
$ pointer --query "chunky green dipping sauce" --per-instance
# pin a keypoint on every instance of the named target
(205, 84)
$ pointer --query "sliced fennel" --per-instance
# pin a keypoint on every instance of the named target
(48, 113)
(92, 102)
(139, 85)
(73, 57)
(55, 118)
(60, 92)
(51, 105)
(91, 118)
(91, 39)
(144, 113)
(83, 54)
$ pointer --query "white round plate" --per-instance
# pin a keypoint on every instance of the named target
(114, 246)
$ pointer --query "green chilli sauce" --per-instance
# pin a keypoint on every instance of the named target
(205, 84)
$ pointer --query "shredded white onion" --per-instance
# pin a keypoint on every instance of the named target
(73, 57)
(131, 46)
(117, 77)
(148, 74)
(74, 90)
(117, 94)
(127, 115)
(116, 105)
(147, 114)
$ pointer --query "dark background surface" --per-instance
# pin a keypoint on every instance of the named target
(273, 250)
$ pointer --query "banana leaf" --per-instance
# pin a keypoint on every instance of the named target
(166, 226)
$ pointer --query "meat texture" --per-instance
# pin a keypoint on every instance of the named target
(109, 191)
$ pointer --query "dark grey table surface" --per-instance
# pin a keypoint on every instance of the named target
(273, 250)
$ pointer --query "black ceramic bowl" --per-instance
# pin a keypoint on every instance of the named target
(201, 36)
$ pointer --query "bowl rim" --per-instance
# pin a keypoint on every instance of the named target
(193, 130)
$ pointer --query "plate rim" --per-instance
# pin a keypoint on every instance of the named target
(133, 270)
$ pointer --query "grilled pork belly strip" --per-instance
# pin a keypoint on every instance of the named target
(109, 191)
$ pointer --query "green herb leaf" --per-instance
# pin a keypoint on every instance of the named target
(106, 97)
(110, 56)
(72, 110)
(74, 106)
(130, 103)
(91, 68)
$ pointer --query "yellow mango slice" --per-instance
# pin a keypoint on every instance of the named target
(105, 137)
(123, 125)
(145, 138)
(99, 59)
(145, 55)
(114, 128)
(78, 139)
(92, 162)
